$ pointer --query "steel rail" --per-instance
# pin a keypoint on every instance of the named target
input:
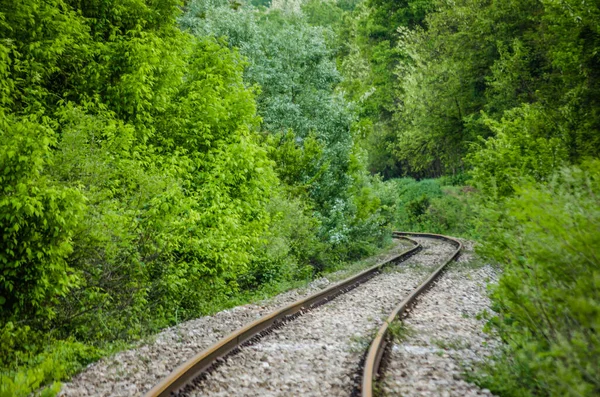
(377, 348)
(194, 367)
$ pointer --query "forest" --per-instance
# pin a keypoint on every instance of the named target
(161, 160)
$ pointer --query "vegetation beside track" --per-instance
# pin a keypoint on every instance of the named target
(163, 160)
(147, 178)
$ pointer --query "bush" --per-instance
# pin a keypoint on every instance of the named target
(522, 146)
(426, 206)
(37, 222)
(45, 361)
(548, 300)
(288, 248)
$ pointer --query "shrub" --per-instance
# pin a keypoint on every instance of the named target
(37, 222)
(522, 146)
(43, 363)
(288, 248)
(548, 300)
(426, 206)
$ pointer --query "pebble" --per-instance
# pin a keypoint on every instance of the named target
(447, 339)
(318, 353)
(133, 372)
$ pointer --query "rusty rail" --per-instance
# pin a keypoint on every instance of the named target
(377, 348)
(191, 369)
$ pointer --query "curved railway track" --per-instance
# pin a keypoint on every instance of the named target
(192, 373)
(377, 349)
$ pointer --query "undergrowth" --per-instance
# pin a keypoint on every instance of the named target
(434, 206)
(547, 238)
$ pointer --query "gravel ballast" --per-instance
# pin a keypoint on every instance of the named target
(445, 338)
(135, 371)
(319, 354)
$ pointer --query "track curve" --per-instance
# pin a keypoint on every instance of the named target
(377, 347)
(192, 370)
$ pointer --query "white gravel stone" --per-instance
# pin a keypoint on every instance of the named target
(446, 337)
(135, 371)
(319, 353)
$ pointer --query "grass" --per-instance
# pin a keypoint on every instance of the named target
(399, 331)
(451, 344)
(360, 343)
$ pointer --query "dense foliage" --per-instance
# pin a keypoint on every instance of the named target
(505, 94)
(369, 58)
(160, 160)
(141, 187)
(522, 73)
(133, 191)
(548, 301)
(306, 124)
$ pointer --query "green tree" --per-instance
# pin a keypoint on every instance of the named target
(134, 188)
(369, 59)
(476, 57)
(308, 123)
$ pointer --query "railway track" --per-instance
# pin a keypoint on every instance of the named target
(255, 345)
(377, 348)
